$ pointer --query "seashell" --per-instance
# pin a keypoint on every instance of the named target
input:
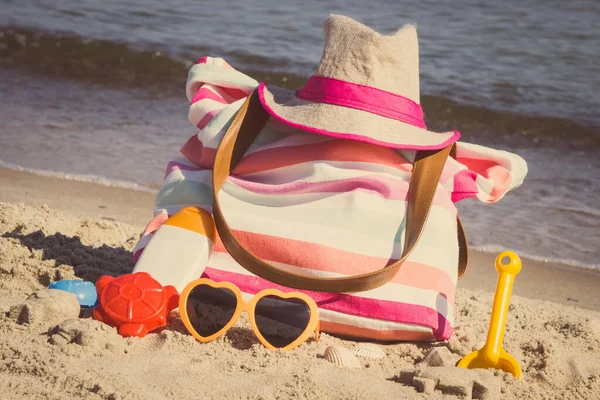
(369, 350)
(341, 357)
(439, 357)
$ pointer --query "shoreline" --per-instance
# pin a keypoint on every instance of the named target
(554, 282)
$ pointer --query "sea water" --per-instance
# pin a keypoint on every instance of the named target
(95, 91)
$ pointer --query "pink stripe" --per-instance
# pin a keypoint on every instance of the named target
(233, 92)
(318, 257)
(347, 304)
(205, 93)
(152, 226)
(353, 136)
(136, 255)
(202, 60)
(195, 151)
(361, 97)
(155, 223)
(502, 181)
(307, 254)
(207, 118)
(333, 150)
(388, 188)
(477, 165)
(464, 185)
(225, 95)
(279, 157)
(425, 277)
(492, 171)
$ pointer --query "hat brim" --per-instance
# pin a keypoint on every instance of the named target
(349, 123)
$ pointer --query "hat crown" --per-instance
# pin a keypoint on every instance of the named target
(353, 52)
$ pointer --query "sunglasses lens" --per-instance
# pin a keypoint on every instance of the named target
(281, 321)
(209, 309)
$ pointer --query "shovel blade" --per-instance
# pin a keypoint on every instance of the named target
(505, 362)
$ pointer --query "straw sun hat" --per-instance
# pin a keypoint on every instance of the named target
(366, 87)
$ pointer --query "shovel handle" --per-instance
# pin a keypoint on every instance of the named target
(506, 277)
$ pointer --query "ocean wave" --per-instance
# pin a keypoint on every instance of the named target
(109, 63)
(95, 179)
(72, 57)
(566, 262)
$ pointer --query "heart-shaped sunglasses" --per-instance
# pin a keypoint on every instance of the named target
(279, 320)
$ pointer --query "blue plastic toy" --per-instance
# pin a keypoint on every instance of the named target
(84, 290)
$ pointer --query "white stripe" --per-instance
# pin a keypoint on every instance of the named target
(451, 168)
(192, 85)
(212, 133)
(220, 92)
(181, 159)
(143, 242)
(329, 236)
(289, 140)
(371, 323)
(438, 245)
(325, 171)
(485, 187)
(208, 104)
(214, 72)
(200, 108)
(203, 176)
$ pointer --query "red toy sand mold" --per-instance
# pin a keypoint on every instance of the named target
(134, 303)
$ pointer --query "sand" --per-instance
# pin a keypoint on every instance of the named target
(53, 229)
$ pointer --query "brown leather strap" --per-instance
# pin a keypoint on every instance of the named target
(238, 138)
(463, 247)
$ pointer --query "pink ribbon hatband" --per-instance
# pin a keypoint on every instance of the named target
(360, 97)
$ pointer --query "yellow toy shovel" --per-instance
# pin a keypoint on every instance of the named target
(492, 355)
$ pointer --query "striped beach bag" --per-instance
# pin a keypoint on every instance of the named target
(403, 300)
(337, 190)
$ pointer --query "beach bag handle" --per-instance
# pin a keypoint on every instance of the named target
(427, 170)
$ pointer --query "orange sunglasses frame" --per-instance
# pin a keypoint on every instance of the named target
(249, 308)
